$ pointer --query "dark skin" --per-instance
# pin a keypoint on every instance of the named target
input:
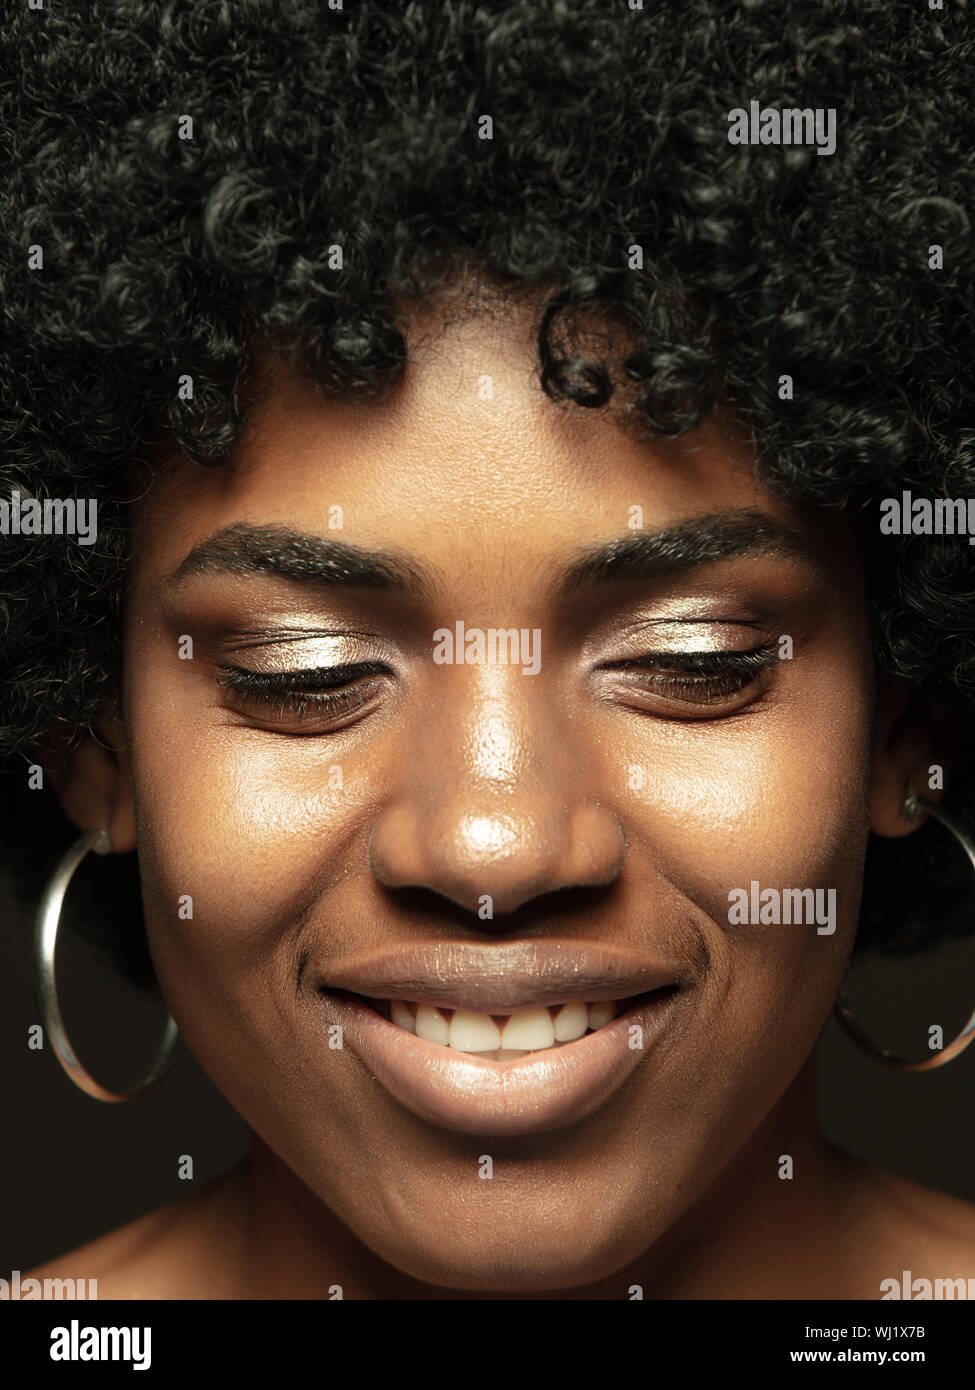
(457, 783)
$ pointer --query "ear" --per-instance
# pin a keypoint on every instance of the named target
(913, 749)
(94, 785)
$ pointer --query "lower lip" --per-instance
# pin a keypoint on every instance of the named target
(528, 1095)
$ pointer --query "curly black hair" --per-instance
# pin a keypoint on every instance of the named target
(212, 181)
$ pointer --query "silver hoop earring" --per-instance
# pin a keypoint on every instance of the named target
(911, 809)
(45, 990)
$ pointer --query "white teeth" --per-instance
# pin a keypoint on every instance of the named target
(532, 1031)
(571, 1022)
(504, 1054)
(602, 1013)
(501, 1038)
(402, 1015)
(431, 1025)
(473, 1032)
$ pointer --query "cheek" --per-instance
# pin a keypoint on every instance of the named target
(787, 806)
(256, 833)
(778, 799)
(252, 830)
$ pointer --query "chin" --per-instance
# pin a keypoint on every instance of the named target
(523, 1244)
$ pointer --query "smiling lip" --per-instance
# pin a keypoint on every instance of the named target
(502, 979)
(544, 1090)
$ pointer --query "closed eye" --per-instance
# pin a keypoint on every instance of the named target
(314, 698)
(706, 684)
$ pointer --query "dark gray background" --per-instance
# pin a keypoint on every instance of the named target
(72, 1168)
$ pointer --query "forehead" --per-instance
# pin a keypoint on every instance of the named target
(466, 455)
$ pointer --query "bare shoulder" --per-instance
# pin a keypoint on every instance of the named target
(941, 1220)
(170, 1252)
(910, 1227)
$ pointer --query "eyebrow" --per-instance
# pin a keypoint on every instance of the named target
(247, 550)
(649, 555)
(244, 549)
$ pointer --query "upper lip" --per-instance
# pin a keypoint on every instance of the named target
(502, 978)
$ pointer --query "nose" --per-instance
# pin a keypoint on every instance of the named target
(490, 802)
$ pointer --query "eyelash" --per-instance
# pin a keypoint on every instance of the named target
(692, 678)
(715, 675)
(292, 693)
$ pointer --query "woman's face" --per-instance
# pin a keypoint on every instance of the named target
(494, 836)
